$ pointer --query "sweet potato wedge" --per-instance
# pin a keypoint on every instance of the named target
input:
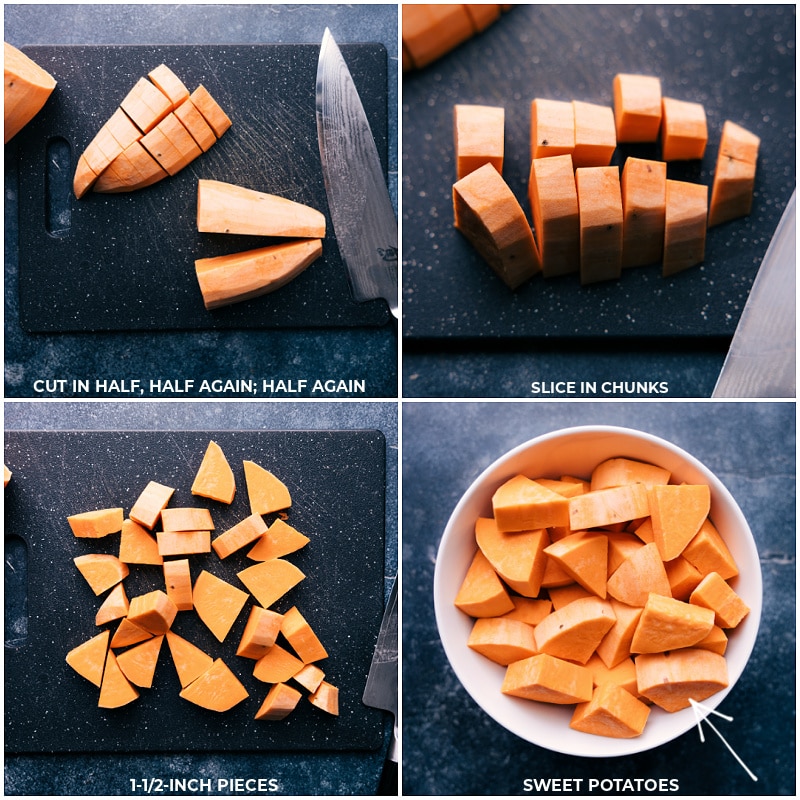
(613, 712)
(148, 506)
(190, 661)
(268, 581)
(116, 690)
(677, 513)
(265, 491)
(669, 624)
(153, 611)
(277, 665)
(217, 689)
(115, 606)
(137, 546)
(574, 631)
(482, 593)
(128, 633)
(88, 659)
(132, 169)
(583, 556)
(522, 504)
(281, 539)
(217, 603)
(138, 663)
(734, 175)
(260, 632)
(502, 640)
(27, 87)
(716, 595)
(548, 680)
(638, 576)
(214, 478)
(301, 636)
(101, 570)
(309, 677)
(240, 535)
(280, 701)
(96, 524)
(326, 698)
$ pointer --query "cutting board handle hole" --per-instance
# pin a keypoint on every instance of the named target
(16, 591)
(58, 187)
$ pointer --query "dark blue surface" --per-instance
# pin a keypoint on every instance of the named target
(450, 747)
(297, 773)
(358, 354)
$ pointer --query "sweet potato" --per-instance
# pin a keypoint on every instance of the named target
(88, 659)
(300, 635)
(595, 134)
(214, 478)
(521, 504)
(638, 576)
(615, 646)
(137, 546)
(528, 610)
(148, 506)
(482, 594)
(189, 660)
(574, 631)
(490, 217)
(613, 712)
(548, 680)
(326, 698)
(431, 30)
(27, 88)
(260, 632)
(227, 208)
(552, 128)
(561, 596)
(96, 524)
(115, 606)
(502, 640)
(187, 519)
(6, 475)
(217, 689)
(117, 134)
(194, 122)
(170, 85)
(622, 471)
(734, 175)
(146, 105)
(228, 279)
(622, 674)
(277, 665)
(240, 535)
(128, 633)
(132, 169)
(677, 513)
(212, 111)
(281, 539)
(644, 198)
(102, 571)
(181, 543)
(479, 137)
(684, 131)
(268, 581)
(600, 215)
(707, 552)
(178, 583)
(621, 546)
(518, 557)
(583, 556)
(608, 506)
(171, 145)
(116, 690)
(553, 199)
(669, 624)
(683, 577)
(265, 491)
(309, 677)
(153, 611)
(684, 226)
(280, 701)
(716, 641)
(716, 595)
(637, 107)
(217, 603)
(138, 664)
(670, 679)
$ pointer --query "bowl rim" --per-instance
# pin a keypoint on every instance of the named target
(520, 716)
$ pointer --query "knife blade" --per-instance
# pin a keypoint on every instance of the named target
(761, 361)
(361, 210)
(381, 688)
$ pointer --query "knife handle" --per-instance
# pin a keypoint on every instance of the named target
(388, 783)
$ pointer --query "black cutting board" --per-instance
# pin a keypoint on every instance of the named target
(337, 482)
(126, 261)
(738, 61)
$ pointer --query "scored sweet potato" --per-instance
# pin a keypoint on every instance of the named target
(134, 168)
(217, 603)
(280, 701)
(217, 689)
(228, 208)
(229, 279)
(27, 87)
(214, 478)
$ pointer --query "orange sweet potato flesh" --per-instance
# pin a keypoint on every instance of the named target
(482, 594)
(300, 635)
(518, 557)
(479, 137)
(522, 504)
(638, 576)
(187, 519)
(583, 556)
(153, 611)
(595, 134)
(548, 680)
(96, 524)
(27, 87)
(128, 633)
(716, 595)
(281, 539)
(611, 712)
(684, 131)
(326, 697)
(677, 513)
(194, 122)
(217, 603)
(685, 226)
(637, 107)
(260, 632)
(228, 208)
(608, 506)
(601, 218)
(707, 552)
(644, 198)
(148, 506)
(211, 110)
(228, 279)
(116, 690)
(138, 663)
(615, 647)
(101, 571)
(137, 546)
(280, 701)
(431, 30)
(277, 665)
(169, 84)
(179, 543)
(310, 677)
(190, 661)
(502, 640)
(240, 535)
(669, 624)
(214, 478)
(217, 689)
(552, 128)
(115, 606)
(268, 581)
(490, 217)
(88, 658)
(622, 471)
(527, 609)
(132, 169)
(146, 105)
(171, 145)
(178, 583)
(265, 491)
(574, 631)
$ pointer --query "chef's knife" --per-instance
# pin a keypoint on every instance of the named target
(381, 689)
(761, 361)
(361, 210)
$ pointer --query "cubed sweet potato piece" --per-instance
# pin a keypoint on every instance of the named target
(138, 663)
(115, 606)
(267, 493)
(101, 570)
(260, 632)
(217, 603)
(638, 576)
(637, 107)
(277, 665)
(137, 546)
(482, 593)
(240, 535)
(502, 640)
(669, 624)
(281, 539)
(326, 698)
(301, 636)
(574, 631)
(147, 508)
(280, 701)
(153, 611)
(677, 513)
(214, 478)
(584, 556)
(613, 712)
(608, 506)
(548, 680)
(479, 137)
(116, 690)
(96, 524)
(189, 660)
(217, 689)
(716, 595)
(522, 504)
(178, 583)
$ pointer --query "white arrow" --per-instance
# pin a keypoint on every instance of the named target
(699, 718)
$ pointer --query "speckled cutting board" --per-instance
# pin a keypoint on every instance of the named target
(126, 261)
(738, 61)
(337, 482)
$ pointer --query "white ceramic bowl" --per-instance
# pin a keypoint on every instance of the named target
(575, 451)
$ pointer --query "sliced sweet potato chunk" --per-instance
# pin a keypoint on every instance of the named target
(638, 576)
(671, 679)
(707, 552)
(146, 105)
(528, 609)
(182, 543)
(502, 640)
(548, 679)
(190, 661)
(310, 677)
(607, 506)
(677, 513)
(217, 603)
(96, 524)
(595, 134)
(574, 631)
(178, 583)
(584, 556)
(622, 471)
(522, 504)
(684, 131)
(716, 595)
(482, 593)
(644, 202)
(280, 701)
(601, 218)
(169, 84)
(622, 674)
(277, 665)
(301, 636)
(214, 478)
(615, 646)
(187, 519)
(268, 581)
(478, 137)
(266, 492)
(153, 611)
(552, 128)
(518, 557)
(326, 698)
(211, 110)
(137, 546)
(685, 225)
(134, 168)
(115, 606)
(613, 712)
(148, 506)
(129, 633)
(281, 539)
(734, 176)
(260, 632)
(240, 535)
(138, 663)
(116, 690)
(637, 107)
(669, 624)
(101, 570)
(88, 659)
(217, 689)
